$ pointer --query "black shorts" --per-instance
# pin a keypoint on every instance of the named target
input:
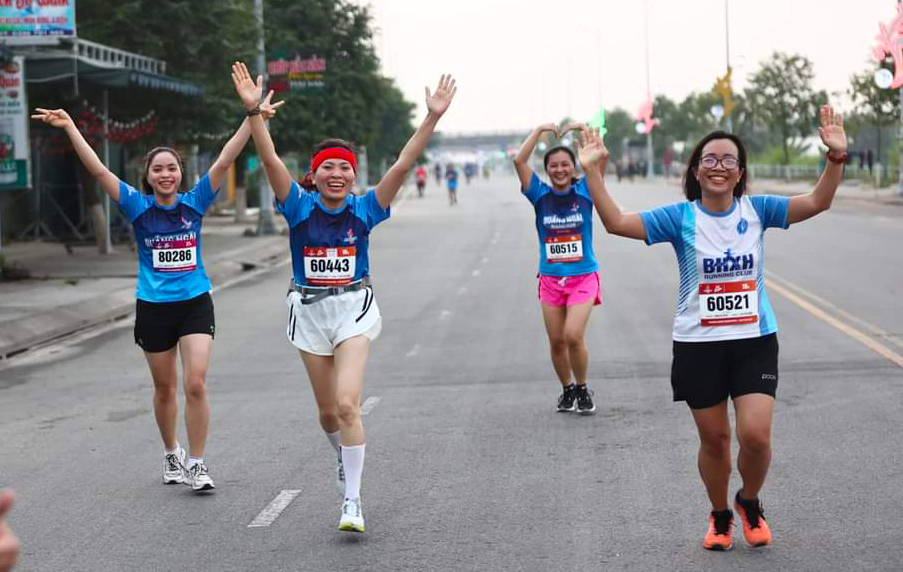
(159, 325)
(705, 373)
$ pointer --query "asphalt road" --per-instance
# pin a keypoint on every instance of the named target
(468, 466)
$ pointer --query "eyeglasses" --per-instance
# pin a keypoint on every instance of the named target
(729, 162)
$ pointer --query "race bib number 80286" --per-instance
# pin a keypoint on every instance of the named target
(175, 256)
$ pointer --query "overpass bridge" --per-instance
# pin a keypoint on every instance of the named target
(479, 142)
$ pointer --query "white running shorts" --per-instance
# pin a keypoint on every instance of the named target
(319, 327)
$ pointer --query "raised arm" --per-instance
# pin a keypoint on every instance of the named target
(594, 158)
(236, 143)
(249, 93)
(582, 127)
(835, 139)
(522, 159)
(436, 104)
(59, 118)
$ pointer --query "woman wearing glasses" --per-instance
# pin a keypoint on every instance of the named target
(725, 342)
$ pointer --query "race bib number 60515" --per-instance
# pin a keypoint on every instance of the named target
(568, 248)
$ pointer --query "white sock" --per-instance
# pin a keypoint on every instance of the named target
(353, 460)
(335, 440)
(176, 450)
(192, 461)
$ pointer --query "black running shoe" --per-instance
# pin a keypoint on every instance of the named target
(585, 405)
(567, 399)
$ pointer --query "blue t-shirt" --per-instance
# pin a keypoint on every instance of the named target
(170, 266)
(721, 258)
(330, 246)
(564, 222)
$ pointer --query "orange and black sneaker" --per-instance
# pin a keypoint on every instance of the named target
(755, 529)
(720, 535)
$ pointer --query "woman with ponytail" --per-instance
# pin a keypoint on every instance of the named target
(174, 311)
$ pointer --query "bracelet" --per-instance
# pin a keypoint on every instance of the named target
(255, 111)
(837, 160)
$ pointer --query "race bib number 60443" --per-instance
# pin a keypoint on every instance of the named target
(326, 266)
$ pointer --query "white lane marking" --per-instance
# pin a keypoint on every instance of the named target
(475, 273)
(462, 290)
(414, 351)
(275, 508)
(444, 314)
(368, 405)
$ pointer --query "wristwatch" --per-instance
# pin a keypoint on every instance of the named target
(838, 160)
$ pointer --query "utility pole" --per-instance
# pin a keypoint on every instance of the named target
(727, 50)
(649, 154)
(901, 131)
(265, 223)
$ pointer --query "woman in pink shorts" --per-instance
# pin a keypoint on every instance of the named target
(568, 272)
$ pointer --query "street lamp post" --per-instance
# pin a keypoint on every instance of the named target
(265, 222)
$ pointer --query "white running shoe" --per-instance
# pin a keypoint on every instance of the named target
(340, 475)
(198, 479)
(352, 518)
(174, 467)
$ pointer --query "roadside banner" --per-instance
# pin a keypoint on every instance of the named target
(14, 146)
(28, 22)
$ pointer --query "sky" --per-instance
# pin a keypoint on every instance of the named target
(519, 63)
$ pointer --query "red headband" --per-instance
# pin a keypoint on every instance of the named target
(333, 153)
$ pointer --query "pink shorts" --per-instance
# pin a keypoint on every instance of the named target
(570, 290)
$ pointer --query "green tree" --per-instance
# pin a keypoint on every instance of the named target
(876, 107)
(198, 40)
(357, 103)
(781, 96)
(621, 127)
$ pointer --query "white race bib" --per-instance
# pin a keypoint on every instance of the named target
(728, 303)
(329, 266)
(175, 256)
(568, 248)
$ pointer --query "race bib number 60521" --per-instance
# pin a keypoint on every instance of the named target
(728, 303)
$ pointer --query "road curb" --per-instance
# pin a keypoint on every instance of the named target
(19, 335)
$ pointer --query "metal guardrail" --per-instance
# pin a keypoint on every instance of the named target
(107, 56)
(878, 174)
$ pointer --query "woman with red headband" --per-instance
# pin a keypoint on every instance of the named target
(333, 316)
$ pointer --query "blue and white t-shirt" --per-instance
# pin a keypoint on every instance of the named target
(722, 264)
(564, 222)
(330, 246)
(170, 267)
